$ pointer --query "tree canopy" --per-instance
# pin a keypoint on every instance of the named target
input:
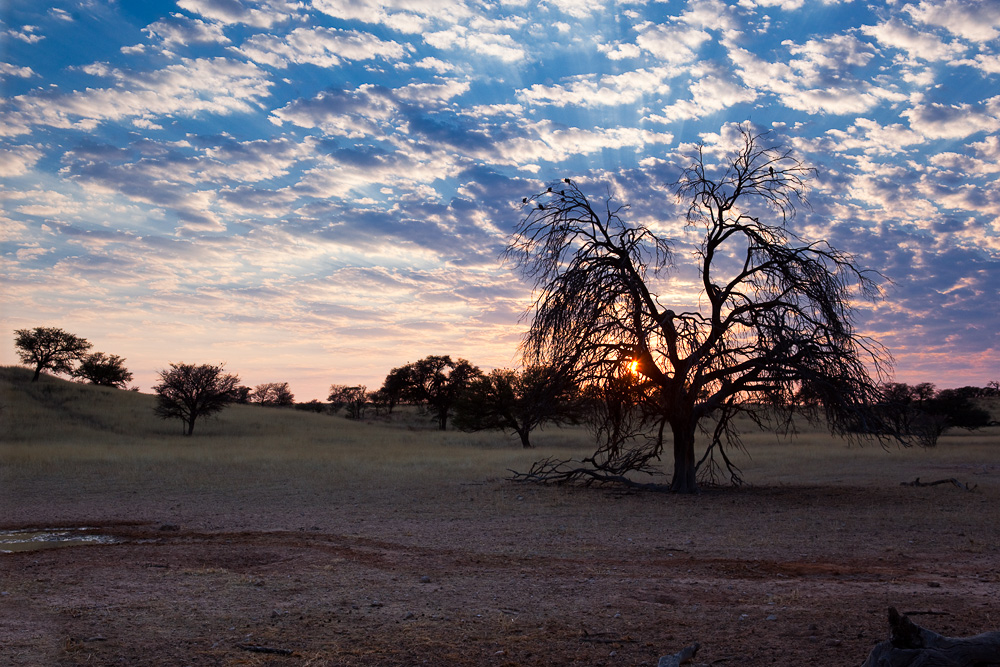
(49, 348)
(773, 313)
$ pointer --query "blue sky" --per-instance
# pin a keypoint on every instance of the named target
(318, 191)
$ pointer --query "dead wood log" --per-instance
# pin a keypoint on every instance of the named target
(682, 657)
(950, 480)
(256, 648)
(910, 645)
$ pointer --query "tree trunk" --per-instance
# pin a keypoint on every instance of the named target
(38, 372)
(684, 462)
(910, 645)
(523, 433)
(190, 426)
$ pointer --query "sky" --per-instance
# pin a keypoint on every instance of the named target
(318, 191)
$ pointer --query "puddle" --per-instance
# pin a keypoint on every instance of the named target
(50, 538)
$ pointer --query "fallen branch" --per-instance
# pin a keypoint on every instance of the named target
(255, 648)
(950, 480)
(910, 645)
(682, 657)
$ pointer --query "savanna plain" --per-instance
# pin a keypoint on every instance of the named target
(279, 537)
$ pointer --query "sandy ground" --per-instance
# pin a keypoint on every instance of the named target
(491, 573)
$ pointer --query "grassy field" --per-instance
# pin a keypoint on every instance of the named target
(364, 543)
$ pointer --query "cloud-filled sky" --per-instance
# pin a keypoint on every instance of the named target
(317, 191)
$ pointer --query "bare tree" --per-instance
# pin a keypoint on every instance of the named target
(775, 313)
(187, 392)
(106, 370)
(49, 348)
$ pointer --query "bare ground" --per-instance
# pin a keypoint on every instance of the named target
(246, 572)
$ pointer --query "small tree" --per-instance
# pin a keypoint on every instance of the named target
(49, 348)
(775, 314)
(354, 399)
(106, 370)
(275, 394)
(517, 401)
(187, 392)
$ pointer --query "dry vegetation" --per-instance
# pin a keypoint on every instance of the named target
(345, 543)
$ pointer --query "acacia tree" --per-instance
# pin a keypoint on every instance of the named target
(436, 382)
(187, 392)
(49, 348)
(518, 401)
(774, 316)
(106, 370)
(272, 393)
(354, 399)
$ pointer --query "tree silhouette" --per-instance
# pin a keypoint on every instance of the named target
(187, 392)
(518, 401)
(435, 382)
(49, 348)
(106, 370)
(775, 314)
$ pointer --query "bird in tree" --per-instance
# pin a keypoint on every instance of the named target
(774, 314)
(49, 348)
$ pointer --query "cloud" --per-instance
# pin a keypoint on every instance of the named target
(974, 20)
(871, 137)
(896, 34)
(501, 46)
(323, 47)
(354, 114)
(954, 121)
(710, 93)
(26, 33)
(206, 85)
(608, 90)
(18, 160)
(6, 69)
(256, 13)
(407, 16)
(674, 45)
(180, 30)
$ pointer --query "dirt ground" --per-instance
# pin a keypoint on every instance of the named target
(493, 573)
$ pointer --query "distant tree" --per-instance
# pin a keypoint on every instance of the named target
(275, 394)
(516, 401)
(957, 408)
(187, 391)
(776, 311)
(106, 370)
(312, 406)
(436, 382)
(241, 394)
(921, 407)
(354, 400)
(49, 348)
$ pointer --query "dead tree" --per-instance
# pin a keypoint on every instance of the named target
(776, 317)
(910, 645)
